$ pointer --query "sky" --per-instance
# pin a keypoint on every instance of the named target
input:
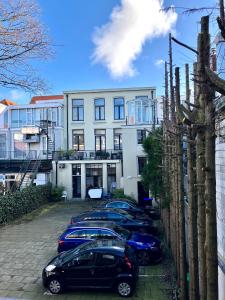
(113, 43)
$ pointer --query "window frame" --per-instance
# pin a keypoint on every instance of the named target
(77, 108)
(77, 146)
(119, 107)
(98, 108)
(143, 136)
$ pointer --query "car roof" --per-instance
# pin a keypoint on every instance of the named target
(92, 224)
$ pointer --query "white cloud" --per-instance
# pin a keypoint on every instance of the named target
(159, 62)
(120, 41)
(16, 95)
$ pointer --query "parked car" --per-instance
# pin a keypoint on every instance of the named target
(133, 209)
(105, 264)
(121, 218)
(147, 247)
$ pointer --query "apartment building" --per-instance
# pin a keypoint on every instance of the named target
(28, 136)
(103, 135)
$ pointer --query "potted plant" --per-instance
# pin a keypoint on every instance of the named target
(71, 153)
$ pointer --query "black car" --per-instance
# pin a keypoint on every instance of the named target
(133, 209)
(104, 264)
(121, 218)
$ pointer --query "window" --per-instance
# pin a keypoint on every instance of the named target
(2, 145)
(93, 175)
(142, 161)
(76, 234)
(19, 146)
(83, 260)
(141, 135)
(78, 139)
(117, 139)
(114, 216)
(15, 118)
(99, 109)
(118, 108)
(78, 110)
(111, 177)
(104, 233)
(100, 140)
(106, 260)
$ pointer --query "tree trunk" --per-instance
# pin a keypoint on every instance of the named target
(181, 214)
(192, 208)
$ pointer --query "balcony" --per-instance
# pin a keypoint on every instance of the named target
(88, 155)
(18, 155)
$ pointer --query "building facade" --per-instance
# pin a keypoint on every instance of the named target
(103, 134)
(30, 133)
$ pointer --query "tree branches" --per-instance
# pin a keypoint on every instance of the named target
(22, 39)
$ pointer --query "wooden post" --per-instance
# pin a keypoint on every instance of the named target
(192, 204)
(181, 214)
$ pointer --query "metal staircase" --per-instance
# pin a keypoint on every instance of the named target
(44, 124)
(22, 173)
(27, 173)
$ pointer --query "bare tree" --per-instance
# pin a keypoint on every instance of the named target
(22, 39)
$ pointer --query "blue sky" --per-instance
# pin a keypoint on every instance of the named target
(71, 26)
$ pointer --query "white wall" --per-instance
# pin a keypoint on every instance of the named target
(220, 201)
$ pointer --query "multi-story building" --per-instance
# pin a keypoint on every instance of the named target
(28, 136)
(103, 135)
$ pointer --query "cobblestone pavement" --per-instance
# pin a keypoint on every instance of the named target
(27, 245)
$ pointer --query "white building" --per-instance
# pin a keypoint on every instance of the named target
(103, 134)
(28, 136)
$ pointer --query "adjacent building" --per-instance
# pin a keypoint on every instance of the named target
(103, 135)
(28, 136)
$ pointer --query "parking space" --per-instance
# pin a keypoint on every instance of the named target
(27, 245)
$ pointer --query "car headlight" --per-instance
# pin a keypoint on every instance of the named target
(49, 270)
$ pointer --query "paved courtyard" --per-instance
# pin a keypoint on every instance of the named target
(27, 245)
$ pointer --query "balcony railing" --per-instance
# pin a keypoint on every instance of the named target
(88, 155)
(19, 155)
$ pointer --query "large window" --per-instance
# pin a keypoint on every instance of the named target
(78, 139)
(117, 139)
(20, 147)
(100, 140)
(141, 135)
(100, 109)
(2, 145)
(142, 161)
(78, 110)
(118, 108)
(93, 175)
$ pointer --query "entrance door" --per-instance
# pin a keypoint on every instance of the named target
(141, 194)
(76, 186)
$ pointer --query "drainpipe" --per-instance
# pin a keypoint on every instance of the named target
(67, 124)
(56, 173)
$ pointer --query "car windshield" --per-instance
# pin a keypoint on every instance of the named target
(123, 232)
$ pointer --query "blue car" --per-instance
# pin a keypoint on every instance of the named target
(147, 247)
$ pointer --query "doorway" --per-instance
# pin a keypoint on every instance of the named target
(142, 194)
(76, 174)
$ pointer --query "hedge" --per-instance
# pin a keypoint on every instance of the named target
(19, 203)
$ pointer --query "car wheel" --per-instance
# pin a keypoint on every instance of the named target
(55, 286)
(124, 288)
(143, 258)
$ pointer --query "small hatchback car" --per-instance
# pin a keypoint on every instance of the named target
(104, 264)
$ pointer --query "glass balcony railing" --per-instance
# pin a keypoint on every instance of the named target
(88, 155)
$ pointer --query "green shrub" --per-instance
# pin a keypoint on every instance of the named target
(56, 193)
(119, 194)
(19, 203)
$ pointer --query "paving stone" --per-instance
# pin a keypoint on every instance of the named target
(26, 247)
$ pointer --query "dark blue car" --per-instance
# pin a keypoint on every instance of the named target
(147, 247)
